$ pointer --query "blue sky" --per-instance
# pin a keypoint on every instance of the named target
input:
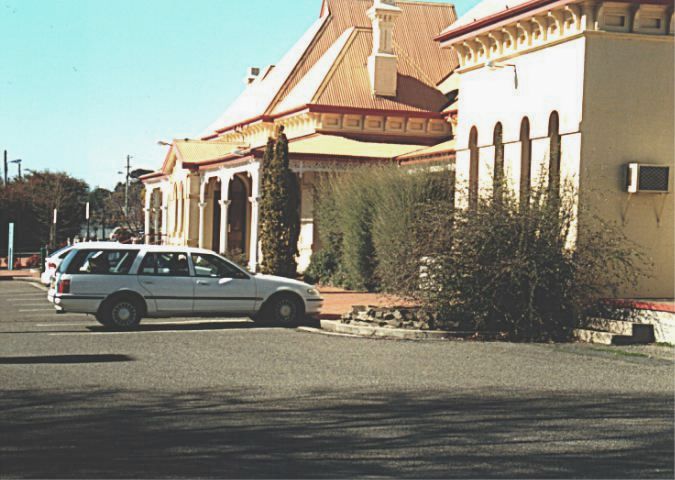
(83, 83)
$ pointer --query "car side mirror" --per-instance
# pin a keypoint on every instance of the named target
(224, 281)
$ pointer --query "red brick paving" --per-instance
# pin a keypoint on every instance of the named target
(338, 302)
(18, 273)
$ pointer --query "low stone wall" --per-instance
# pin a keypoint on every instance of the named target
(412, 318)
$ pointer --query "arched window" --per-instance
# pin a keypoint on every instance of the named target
(498, 176)
(555, 153)
(525, 160)
(473, 168)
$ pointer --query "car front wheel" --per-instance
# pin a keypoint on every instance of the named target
(283, 310)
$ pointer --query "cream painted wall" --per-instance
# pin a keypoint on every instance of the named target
(628, 117)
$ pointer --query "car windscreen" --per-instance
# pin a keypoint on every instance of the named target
(100, 262)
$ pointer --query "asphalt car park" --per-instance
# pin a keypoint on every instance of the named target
(227, 398)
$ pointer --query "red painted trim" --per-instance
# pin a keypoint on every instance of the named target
(327, 156)
(494, 18)
(151, 176)
(643, 305)
(520, 9)
(327, 109)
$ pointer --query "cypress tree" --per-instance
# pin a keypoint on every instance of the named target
(279, 210)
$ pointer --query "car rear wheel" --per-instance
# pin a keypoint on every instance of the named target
(122, 313)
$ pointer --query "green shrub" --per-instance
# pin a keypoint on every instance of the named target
(365, 219)
(518, 270)
(279, 210)
(403, 196)
(322, 268)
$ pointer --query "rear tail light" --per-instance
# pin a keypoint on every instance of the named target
(51, 266)
(63, 286)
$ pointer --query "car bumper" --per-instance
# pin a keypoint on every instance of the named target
(76, 304)
(313, 306)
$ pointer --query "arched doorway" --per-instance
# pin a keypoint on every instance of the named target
(239, 215)
(212, 222)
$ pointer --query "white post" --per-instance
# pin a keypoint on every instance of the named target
(255, 190)
(202, 224)
(224, 207)
(147, 210)
(203, 184)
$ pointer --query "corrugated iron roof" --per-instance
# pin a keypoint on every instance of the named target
(349, 82)
(443, 147)
(195, 151)
(422, 59)
(332, 145)
(482, 10)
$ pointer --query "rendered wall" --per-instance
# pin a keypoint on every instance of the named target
(628, 117)
(549, 79)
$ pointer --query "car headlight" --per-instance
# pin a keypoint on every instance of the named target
(313, 291)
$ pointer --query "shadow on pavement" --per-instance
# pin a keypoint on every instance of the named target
(326, 434)
(64, 359)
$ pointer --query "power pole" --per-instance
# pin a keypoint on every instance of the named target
(5, 167)
(126, 188)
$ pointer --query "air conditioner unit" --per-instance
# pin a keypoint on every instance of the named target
(641, 178)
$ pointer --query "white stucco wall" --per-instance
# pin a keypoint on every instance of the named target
(549, 79)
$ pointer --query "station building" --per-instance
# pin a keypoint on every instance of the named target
(569, 90)
(366, 83)
(582, 90)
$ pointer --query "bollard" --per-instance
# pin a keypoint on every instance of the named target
(43, 258)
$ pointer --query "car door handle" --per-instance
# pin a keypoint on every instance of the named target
(147, 282)
(202, 282)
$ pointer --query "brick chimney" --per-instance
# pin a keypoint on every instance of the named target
(382, 63)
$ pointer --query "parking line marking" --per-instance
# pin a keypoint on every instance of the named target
(23, 293)
(39, 287)
(82, 324)
(163, 331)
(152, 324)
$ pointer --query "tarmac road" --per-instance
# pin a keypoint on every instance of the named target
(223, 398)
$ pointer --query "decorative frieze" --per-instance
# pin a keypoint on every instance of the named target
(557, 24)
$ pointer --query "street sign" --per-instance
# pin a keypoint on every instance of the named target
(10, 248)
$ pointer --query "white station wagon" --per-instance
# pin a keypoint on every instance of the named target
(122, 284)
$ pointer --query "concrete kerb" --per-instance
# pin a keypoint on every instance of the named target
(337, 327)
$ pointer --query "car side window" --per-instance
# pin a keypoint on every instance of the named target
(215, 267)
(102, 262)
(168, 264)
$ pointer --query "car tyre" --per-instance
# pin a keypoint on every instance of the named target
(282, 310)
(122, 313)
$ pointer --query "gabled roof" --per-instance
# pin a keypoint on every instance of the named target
(193, 152)
(341, 78)
(422, 61)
